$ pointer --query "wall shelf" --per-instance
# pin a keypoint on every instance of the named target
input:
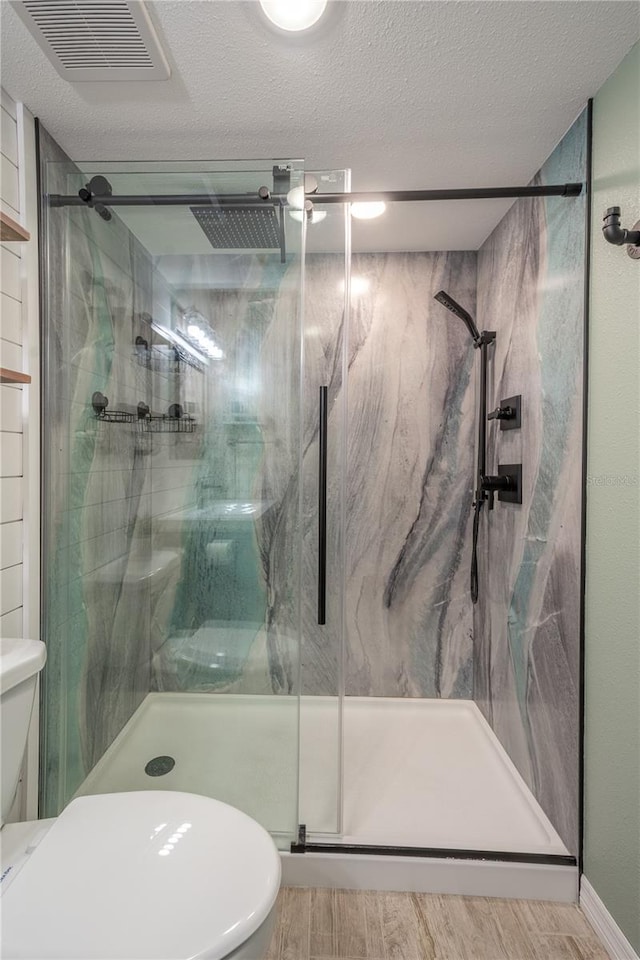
(11, 230)
(13, 376)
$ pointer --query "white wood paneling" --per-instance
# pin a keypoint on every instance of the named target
(9, 188)
(10, 588)
(10, 455)
(8, 136)
(11, 624)
(10, 499)
(10, 409)
(10, 544)
(10, 355)
(10, 273)
(7, 103)
(10, 319)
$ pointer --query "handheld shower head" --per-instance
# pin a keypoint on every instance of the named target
(458, 311)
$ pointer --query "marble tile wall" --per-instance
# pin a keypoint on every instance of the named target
(527, 620)
(409, 475)
(400, 462)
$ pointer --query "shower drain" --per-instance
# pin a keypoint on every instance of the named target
(159, 766)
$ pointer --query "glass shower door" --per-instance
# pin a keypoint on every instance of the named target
(189, 302)
(323, 472)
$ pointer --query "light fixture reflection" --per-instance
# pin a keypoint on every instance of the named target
(293, 15)
(296, 196)
(357, 285)
(369, 210)
(317, 216)
(199, 332)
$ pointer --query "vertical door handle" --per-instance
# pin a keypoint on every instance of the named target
(322, 506)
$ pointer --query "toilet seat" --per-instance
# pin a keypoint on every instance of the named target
(150, 875)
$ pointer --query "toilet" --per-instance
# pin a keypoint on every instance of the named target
(146, 875)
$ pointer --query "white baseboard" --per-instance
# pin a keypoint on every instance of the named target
(480, 878)
(604, 925)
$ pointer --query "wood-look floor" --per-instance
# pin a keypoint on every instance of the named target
(314, 924)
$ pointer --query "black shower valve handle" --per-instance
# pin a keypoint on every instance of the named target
(491, 484)
(502, 413)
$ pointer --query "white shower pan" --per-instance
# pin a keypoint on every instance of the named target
(417, 773)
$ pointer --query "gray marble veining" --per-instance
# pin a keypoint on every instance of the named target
(527, 621)
(408, 474)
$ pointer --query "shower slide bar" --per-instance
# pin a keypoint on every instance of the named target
(264, 197)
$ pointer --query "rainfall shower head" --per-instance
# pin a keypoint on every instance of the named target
(455, 308)
(257, 224)
(240, 227)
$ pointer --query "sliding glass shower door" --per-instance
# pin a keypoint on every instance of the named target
(172, 506)
(323, 472)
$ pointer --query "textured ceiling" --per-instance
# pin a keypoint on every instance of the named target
(407, 94)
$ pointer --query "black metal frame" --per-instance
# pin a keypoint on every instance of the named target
(583, 512)
(443, 853)
(265, 196)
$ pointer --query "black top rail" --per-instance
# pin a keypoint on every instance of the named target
(371, 196)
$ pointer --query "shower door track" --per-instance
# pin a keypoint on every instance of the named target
(441, 853)
(259, 200)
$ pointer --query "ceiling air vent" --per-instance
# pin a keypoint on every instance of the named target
(96, 39)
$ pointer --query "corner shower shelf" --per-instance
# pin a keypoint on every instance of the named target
(13, 376)
(11, 230)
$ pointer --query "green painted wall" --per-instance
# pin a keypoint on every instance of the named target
(612, 736)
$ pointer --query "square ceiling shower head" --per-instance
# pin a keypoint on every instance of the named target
(242, 227)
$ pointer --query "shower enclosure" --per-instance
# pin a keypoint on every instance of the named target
(257, 500)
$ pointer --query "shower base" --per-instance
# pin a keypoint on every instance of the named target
(417, 773)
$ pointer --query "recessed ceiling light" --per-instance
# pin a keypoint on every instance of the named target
(294, 15)
(367, 211)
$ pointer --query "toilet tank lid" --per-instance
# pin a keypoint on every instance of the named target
(19, 660)
(155, 875)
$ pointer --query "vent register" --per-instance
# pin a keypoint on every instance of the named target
(94, 40)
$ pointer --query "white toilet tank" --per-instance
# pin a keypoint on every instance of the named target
(20, 663)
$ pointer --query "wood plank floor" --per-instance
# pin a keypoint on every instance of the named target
(315, 924)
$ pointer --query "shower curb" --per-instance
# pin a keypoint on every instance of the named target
(479, 878)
